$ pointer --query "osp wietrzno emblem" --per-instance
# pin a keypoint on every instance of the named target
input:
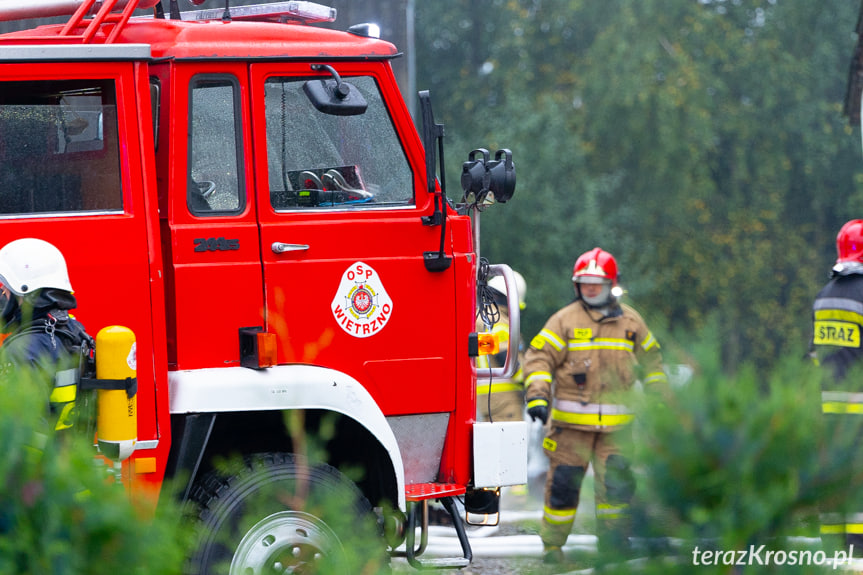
(361, 305)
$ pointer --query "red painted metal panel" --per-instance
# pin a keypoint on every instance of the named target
(421, 491)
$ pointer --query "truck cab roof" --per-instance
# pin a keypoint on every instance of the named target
(218, 39)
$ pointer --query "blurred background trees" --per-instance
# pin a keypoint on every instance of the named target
(701, 142)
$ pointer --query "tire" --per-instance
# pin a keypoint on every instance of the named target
(276, 513)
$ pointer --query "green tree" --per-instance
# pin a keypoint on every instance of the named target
(700, 142)
(514, 90)
(730, 144)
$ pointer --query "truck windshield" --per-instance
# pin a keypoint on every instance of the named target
(58, 147)
(318, 160)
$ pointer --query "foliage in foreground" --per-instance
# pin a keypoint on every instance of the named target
(734, 464)
(59, 514)
(725, 464)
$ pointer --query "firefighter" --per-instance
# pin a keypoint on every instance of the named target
(579, 370)
(502, 399)
(837, 319)
(44, 342)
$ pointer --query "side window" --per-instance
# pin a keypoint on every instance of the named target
(59, 148)
(325, 160)
(214, 176)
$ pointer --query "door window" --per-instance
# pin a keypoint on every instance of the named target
(59, 147)
(214, 177)
(319, 160)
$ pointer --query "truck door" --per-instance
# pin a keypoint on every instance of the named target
(342, 239)
(214, 285)
(72, 173)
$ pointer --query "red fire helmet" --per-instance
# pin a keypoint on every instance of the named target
(849, 242)
(595, 266)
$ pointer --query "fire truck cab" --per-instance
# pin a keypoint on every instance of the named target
(247, 193)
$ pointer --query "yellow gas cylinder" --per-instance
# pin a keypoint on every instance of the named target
(117, 409)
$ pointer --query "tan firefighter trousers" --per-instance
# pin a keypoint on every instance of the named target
(570, 451)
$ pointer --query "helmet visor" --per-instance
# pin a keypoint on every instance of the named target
(586, 279)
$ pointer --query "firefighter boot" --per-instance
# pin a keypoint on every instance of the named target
(553, 555)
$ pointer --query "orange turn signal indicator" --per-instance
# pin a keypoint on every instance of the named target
(489, 344)
(257, 348)
(266, 349)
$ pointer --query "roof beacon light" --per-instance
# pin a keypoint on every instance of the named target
(366, 30)
(304, 12)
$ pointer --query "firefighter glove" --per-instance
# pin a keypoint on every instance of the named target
(537, 408)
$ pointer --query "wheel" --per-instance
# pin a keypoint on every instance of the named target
(276, 513)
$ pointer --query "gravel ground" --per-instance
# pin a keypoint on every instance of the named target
(504, 567)
(478, 567)
(500, 566)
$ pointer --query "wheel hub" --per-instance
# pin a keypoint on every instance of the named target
(286, 542)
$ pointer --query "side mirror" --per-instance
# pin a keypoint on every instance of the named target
(334, 97)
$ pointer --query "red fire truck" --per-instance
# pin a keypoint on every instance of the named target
(247, 193)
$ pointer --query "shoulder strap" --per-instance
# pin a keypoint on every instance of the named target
(77, 341)
(29, 328)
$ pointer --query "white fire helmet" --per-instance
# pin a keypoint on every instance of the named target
(497, 283)
(30, 264)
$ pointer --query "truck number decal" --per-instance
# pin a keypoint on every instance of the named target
(361, 305)
(216, 244)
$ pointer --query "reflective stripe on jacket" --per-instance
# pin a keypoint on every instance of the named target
(841, 402)
(594, 414)
(589, 359)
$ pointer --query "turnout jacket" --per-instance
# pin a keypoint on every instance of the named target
(47, 351)
(591, 360)
(837, 317)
